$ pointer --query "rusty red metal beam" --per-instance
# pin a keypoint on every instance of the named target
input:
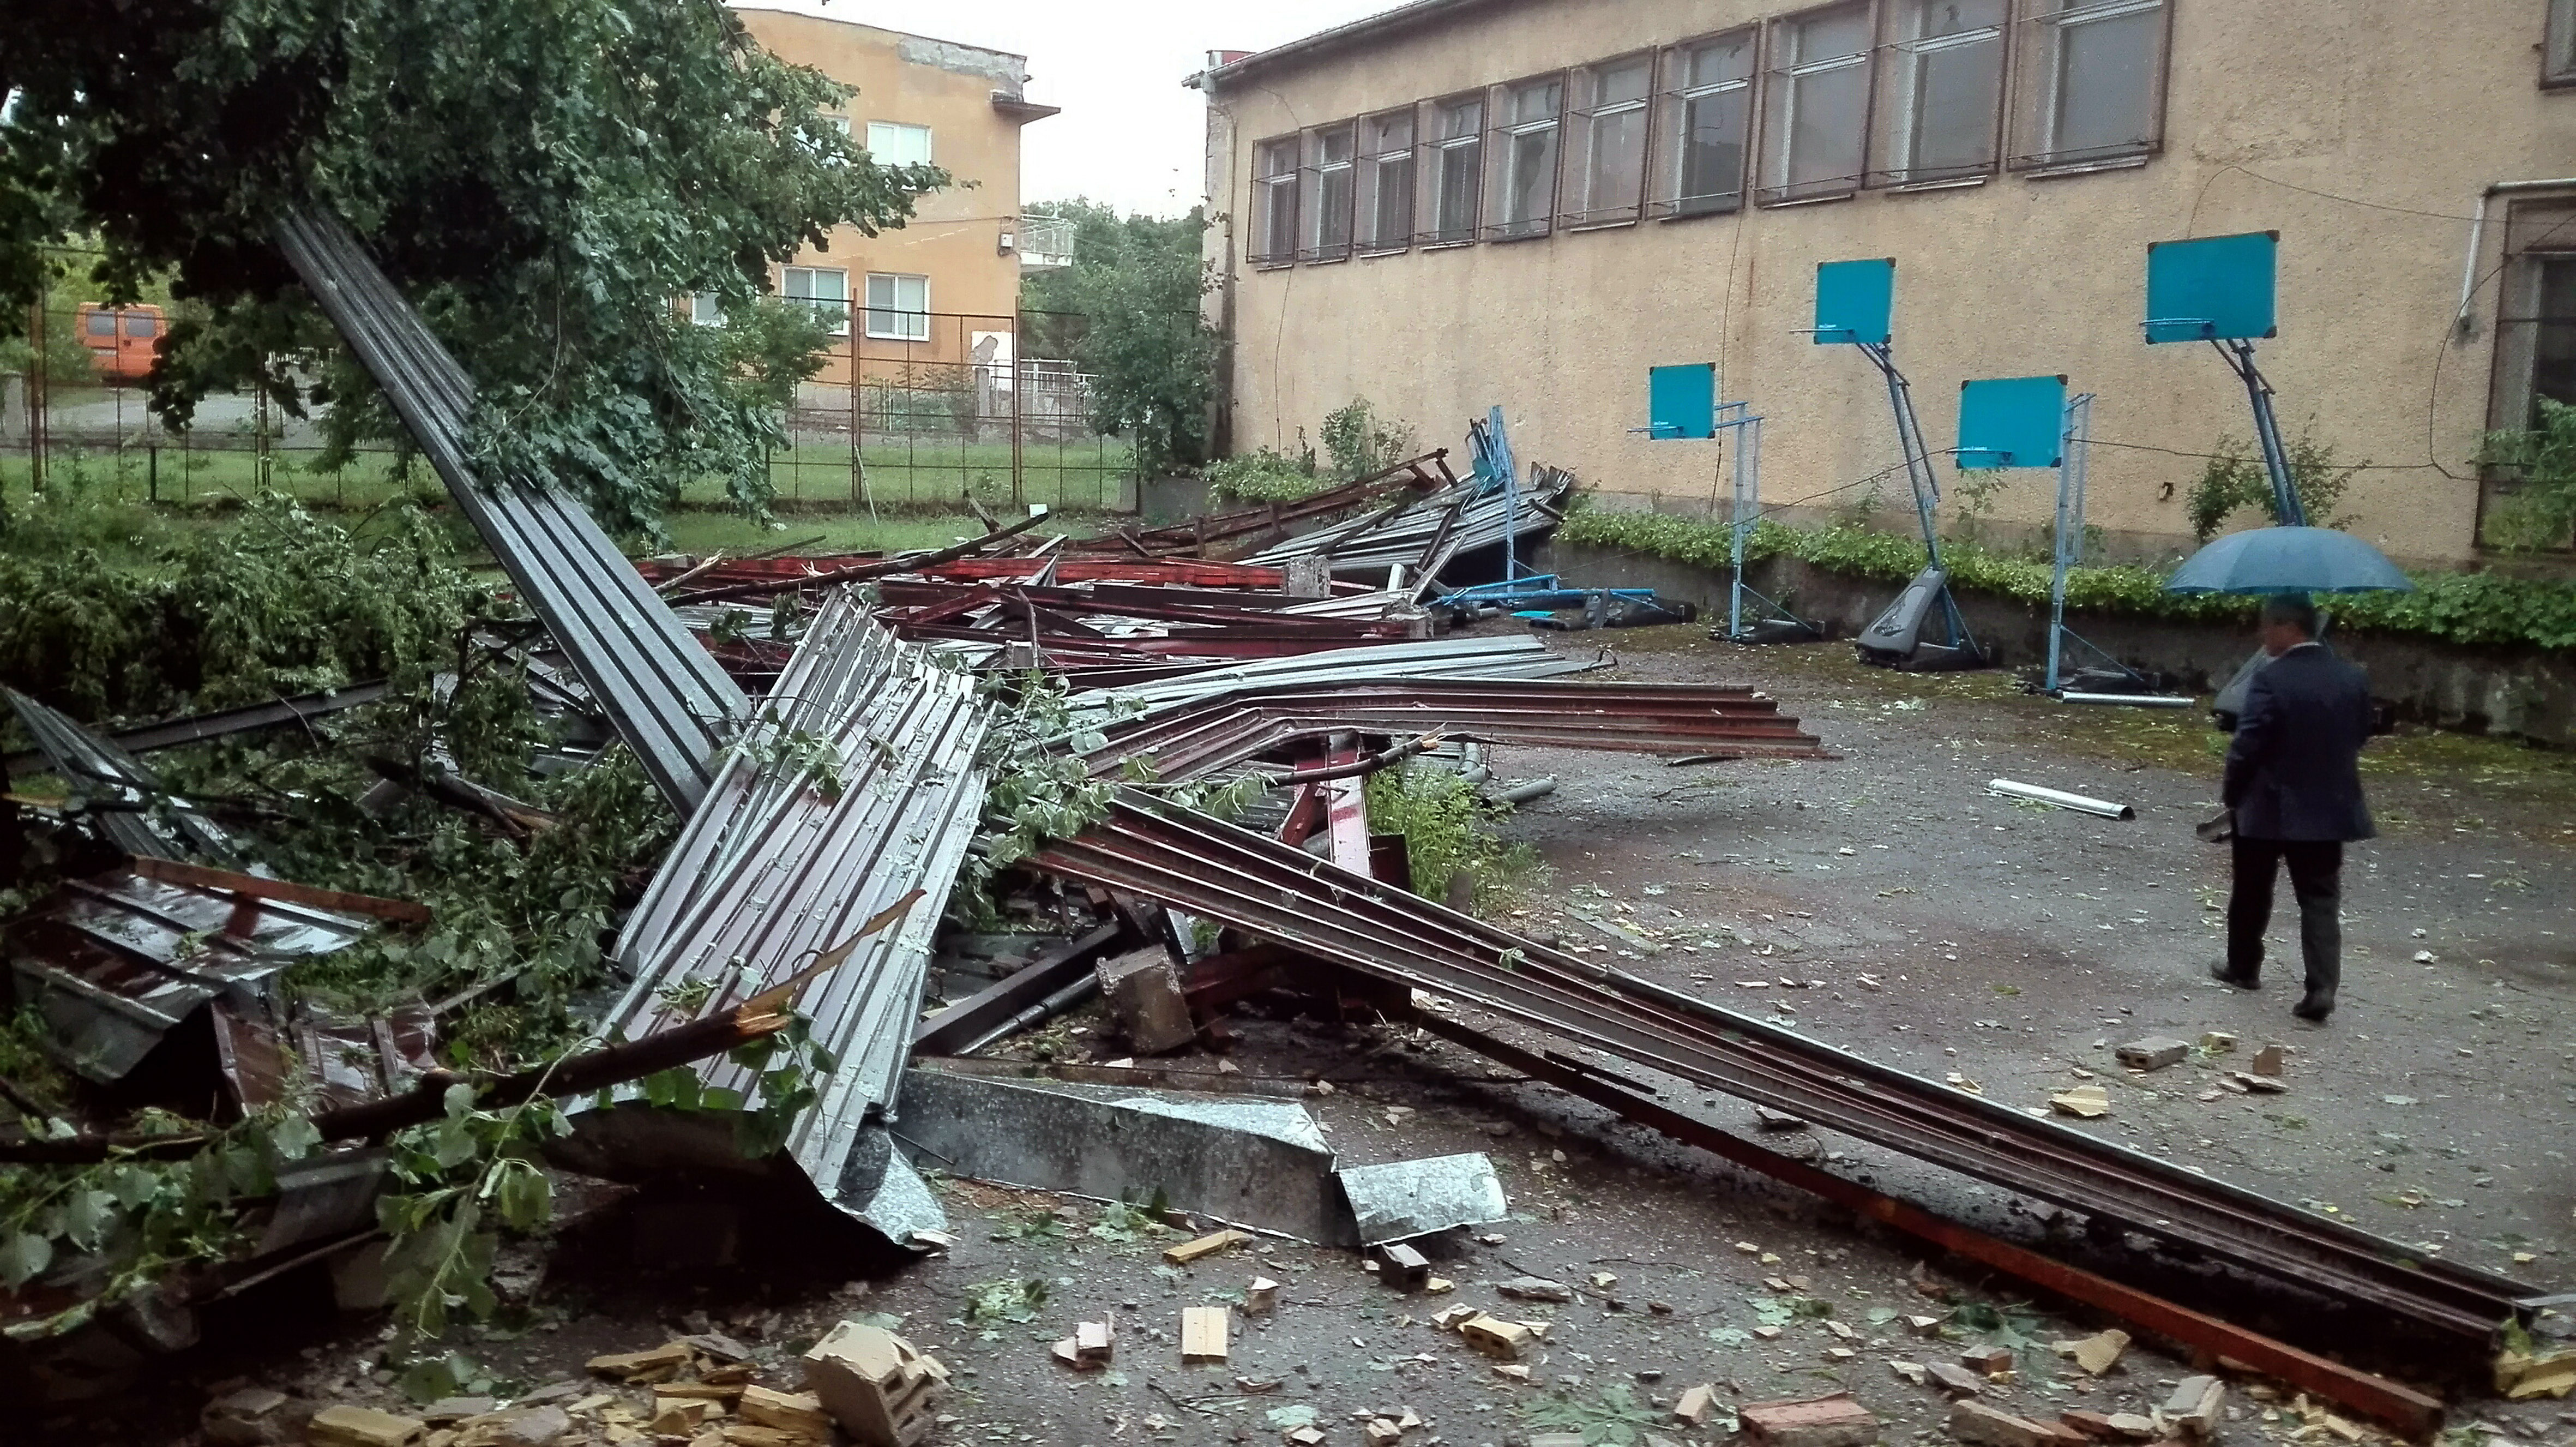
(2393, 1403)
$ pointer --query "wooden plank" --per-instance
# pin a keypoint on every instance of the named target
(1189, 1251)
(1203, 1333)
(172, 871)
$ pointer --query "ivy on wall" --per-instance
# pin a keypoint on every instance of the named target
(2478, 608)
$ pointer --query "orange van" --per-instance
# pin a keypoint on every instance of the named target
(121, 340)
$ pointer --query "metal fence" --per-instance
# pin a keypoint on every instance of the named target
(909, 412)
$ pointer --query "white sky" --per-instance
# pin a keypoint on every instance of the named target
(1131, 134)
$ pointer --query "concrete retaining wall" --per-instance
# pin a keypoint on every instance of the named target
(2523, 692)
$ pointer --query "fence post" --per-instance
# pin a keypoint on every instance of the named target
(259, 440)
(37, 403)
(1019, 372)
(152, 471)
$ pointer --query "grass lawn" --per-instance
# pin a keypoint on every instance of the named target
(902, 473)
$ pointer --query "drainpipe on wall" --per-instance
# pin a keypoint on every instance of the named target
(2464, 324)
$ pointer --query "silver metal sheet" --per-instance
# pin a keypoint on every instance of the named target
(148, 820)
(855, 784)
(666, 696)
(1255, 1163)
(1404, 1199)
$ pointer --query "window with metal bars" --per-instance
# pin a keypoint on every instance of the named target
(1330, 186)
(2535, 338)
(1453, 170)
(1608, 140)
(1386, 181)
(1816, 131)
(2094, 83)
(1943, 112)
(1274, 203)
(1704, 126)
(1529, 124)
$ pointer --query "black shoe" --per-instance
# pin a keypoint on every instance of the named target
(2316, 1005)
(2225, 976)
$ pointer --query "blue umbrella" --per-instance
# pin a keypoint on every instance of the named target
(2288, 560)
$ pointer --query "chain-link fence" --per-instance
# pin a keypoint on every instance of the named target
(910, 411)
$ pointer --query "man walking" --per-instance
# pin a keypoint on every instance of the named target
(2293, 786)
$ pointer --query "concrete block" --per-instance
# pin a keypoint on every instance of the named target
(797, 1412)
(1957, 1380)
(1506, 1340)
(2155, 1052)
(1829, 1421)
(2195, 1407)
(875, 1384)
(1144, 996)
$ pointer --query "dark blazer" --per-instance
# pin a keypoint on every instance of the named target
(2292, 770)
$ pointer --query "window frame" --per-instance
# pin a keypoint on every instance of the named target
(869, 310)
(927, 142)
(2039, 74)
(1499, 134)
(1432, 164)
(1581, 138)
(712, 304)
(1374, 156)
(838, 326)
(1772, 186)
(1270, 190)
(2558, 46)
(2513, 360)
(1674, 96)
(1314, 187)
(1894, 152)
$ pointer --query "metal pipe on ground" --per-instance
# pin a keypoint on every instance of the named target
(1525, 791)
(2130, 700)
(2082, 804)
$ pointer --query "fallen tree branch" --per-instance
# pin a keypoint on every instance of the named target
(763, 1014)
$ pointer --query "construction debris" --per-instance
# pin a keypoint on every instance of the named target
(1144, 996)
(1404, 1199)
(2086, 1101)
(1203, 1333)
(1534, 1288)
(2155, 1052)
(1495, 1337)
(1829, 1421)
(2194, 1409)
(1974, 1421)
(1189, 1251)
(874, 1384)
(2098, 1353)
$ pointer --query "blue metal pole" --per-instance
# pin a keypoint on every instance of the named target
(2267, 433)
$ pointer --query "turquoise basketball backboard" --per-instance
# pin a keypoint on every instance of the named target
(2012, 422)
(1854, 301)
(1681, 401)
(2216, 288)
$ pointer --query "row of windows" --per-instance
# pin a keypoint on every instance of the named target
(898, 306)
(1811, 106)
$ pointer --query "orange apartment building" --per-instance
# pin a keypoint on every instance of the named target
(946, 285)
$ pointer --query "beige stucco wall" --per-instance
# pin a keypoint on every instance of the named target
(954, 237)
(2399, 103)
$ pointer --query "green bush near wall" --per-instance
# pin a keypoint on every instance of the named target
(2483, 608)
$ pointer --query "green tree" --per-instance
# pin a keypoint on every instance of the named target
(2540, 512)
(2235, 479)
(1128, 311)
(544, 181)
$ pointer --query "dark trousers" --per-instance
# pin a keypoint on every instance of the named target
(2316, 880)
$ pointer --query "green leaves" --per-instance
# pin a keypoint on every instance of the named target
(23, 1257)
(1614, 1415)
(1012, 1299)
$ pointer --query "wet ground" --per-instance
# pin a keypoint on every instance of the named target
(1883, 901)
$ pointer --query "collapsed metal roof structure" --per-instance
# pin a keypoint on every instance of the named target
(854, 784)
(669, 700)
(1277, 892)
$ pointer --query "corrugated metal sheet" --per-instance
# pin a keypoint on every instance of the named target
(774, 869)
(142, 817)
(1424, 537)
(114, 963)
(668, 699)
(1515, 655)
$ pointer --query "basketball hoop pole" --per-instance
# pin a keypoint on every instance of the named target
(2267, 429)
(1919, 475)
